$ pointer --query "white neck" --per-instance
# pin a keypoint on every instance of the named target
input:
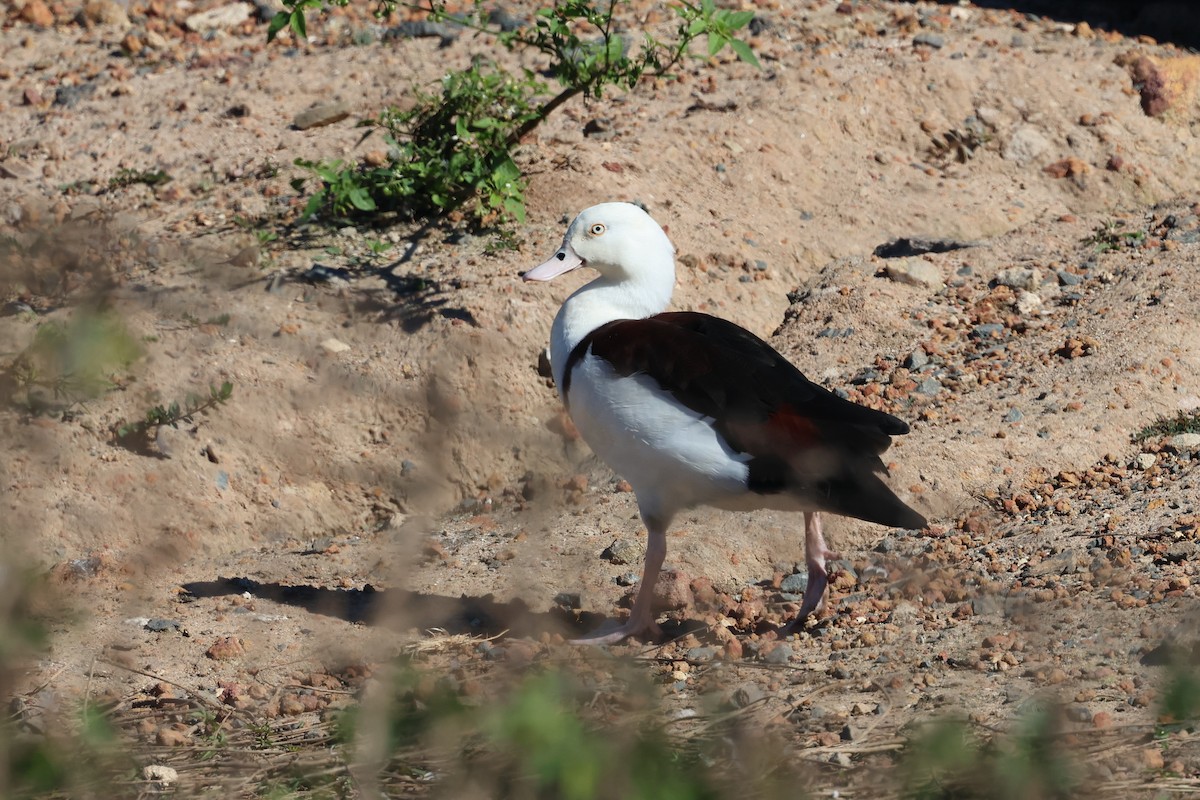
(602, 301)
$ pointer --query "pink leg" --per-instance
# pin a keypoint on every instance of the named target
(815, 553)
(641, 618)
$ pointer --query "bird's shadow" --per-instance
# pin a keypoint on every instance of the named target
(401, 609)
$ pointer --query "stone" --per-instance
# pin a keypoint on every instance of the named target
(1169, 86)
(672, 590)
(1028, 303)
(1026, 145)
(226, 648)
(1020, 278)
(321, 114)
(795, 583)
(334, 346)
(915, 272)
(225, 16)
(1146, 460)
(624, 551)
(160, 774)
(36, 12)
(106, 12)
(1184, 442)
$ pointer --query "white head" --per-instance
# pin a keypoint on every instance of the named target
(618, 240)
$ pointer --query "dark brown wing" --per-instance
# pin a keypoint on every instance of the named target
(800, 436)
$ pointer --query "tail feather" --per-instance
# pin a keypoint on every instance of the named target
(863, 495)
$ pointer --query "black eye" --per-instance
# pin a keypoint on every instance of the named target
(597, 229)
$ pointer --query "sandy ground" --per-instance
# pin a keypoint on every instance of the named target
(392, 462)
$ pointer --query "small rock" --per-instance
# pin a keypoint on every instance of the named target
(672, 590)
(1184, 442)
(916, 360)
(1152, 757)
(624, 551)
(160, 774)
(1081, 714)
(334, 346)
(1146, 460)
(988, 330)
(853, 732)
(568, 600)
(1068, 278)
(746, 695)
(1067, 562)
(1019, 278)
(1028, 303)
(170, 737)
(795, 583)
(224, 16)
(37, 13)
(1014, 415)
(226, 648)
(626, 579)
(105, 12)
(160, 625)
(1069, 167)
(929, 40)
(321, 114)
(1026, 145)
(915, 272)
(929, 387)
(780, 654)
(701, 653)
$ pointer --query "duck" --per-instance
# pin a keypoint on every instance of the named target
(694, 410)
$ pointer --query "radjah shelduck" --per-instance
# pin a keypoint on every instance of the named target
(694, 410)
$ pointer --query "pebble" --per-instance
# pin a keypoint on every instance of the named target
(170, 737)
(1019, 278)
(780, 654)
(988, 330)
(334, 346)
(1068, 278)
(915, 272)
(1184, 442)
(1028, 303)
(321, 114)
(795, 583)
(624, 551)
(1026, 145)
(929, 40)
(160, 774)
(226, 648)
(225, 16)
(1014, 415)
(672, 590)
(745, 695)
(1079, 714)
(929, 387)
(160, 625)
(1146, 460)
(916, 360)
(106, 12)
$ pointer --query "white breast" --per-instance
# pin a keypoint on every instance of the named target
(671, 455)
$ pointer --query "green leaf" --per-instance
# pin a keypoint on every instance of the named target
(737, 19)
(715, 43)
(299, 26)
(744, 52)
(278, 23)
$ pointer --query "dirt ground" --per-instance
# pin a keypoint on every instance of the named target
(391, 468)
